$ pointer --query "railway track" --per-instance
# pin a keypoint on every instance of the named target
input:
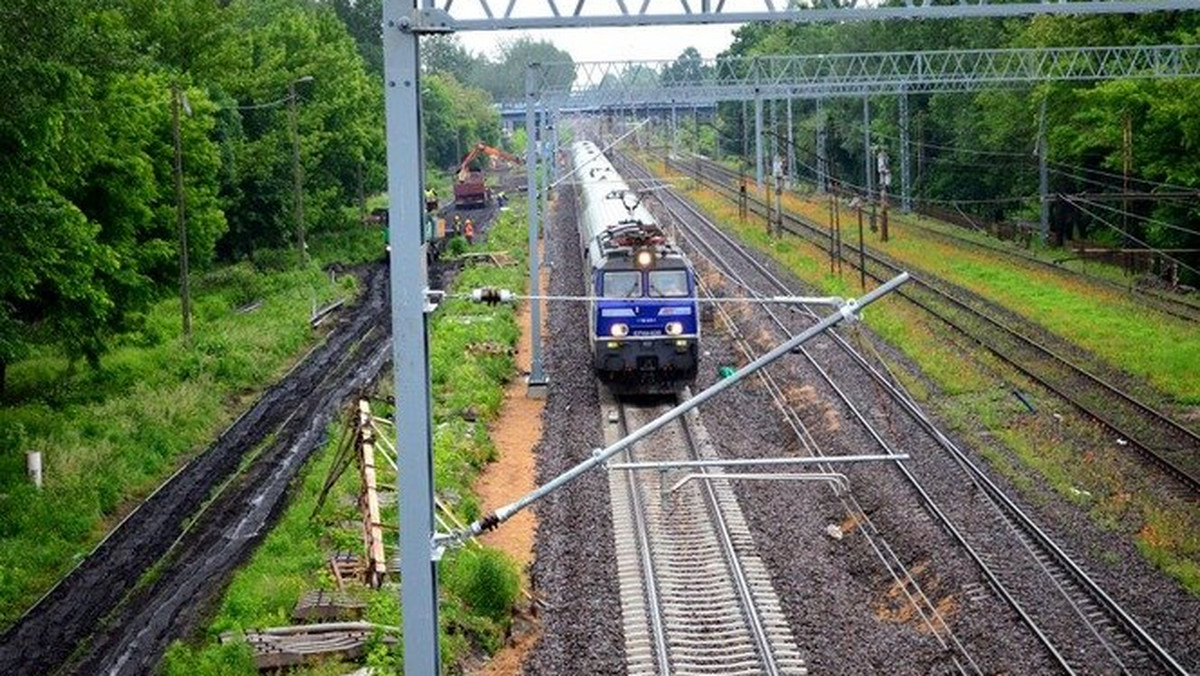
(1168, 444)
(1173, 305)
(201, 522)
(1081, 627)
(695, 597)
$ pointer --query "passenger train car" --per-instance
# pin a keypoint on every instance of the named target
(644, 323)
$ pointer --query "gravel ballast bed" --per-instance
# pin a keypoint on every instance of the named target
(574, 572)
(846, 613)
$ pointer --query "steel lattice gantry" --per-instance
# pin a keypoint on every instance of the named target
(467, 15)
(599, 84)
(403, 22)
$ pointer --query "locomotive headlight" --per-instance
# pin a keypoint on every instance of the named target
(619, 330)
(644, 258)
(674, 328)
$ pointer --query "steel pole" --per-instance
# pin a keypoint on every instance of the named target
(758, 144)
(297, 175)
(674, 129)
(870, 184)
(905, 189)
(599, 456)
(185, 289)
(791, 147)
(410, 339)
(543, 150)
(774, 135)
(1043, 176)
(822, 152)
(537, 379)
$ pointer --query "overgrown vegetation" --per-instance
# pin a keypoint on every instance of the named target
(471, 361)
(110, 435)
(88, 232)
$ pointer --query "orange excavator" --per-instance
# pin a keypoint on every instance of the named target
(469, 188)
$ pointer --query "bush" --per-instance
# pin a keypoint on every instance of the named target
(486, 579)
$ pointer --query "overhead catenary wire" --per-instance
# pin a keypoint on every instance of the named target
(1147, 219)
(1108, 223)
(476, 294)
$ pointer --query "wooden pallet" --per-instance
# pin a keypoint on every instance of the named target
(346, 567)
(325, 606)
(274, 649)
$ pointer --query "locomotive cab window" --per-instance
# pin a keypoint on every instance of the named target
(623, 284)
(668, 283)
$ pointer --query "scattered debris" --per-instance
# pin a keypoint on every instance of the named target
(499, 259)
(320, 315)
(834, 531)
(346, 567)
(281, 647)
(327, 606)
(490, 347)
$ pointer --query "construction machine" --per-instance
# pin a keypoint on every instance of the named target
(470, 191)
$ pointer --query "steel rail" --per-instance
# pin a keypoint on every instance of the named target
(1146, 448)
(1176, 307)
(654, 611)
(737, 576)
(891, 561)
(745, 593)
(1019, 518)
(989, 574)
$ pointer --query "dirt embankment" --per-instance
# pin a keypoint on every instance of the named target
(97, 620)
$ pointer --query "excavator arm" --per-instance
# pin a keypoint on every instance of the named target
(464, 169)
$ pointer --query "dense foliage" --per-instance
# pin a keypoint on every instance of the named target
(975, 151)
(88, 233)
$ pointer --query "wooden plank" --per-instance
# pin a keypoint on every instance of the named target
(376, 568)
(328, 606)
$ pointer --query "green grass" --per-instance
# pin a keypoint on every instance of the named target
(975, 398)
(479, 585)
(1126, 334)
(109, 436)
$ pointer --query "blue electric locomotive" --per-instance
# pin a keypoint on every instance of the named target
(644, 324)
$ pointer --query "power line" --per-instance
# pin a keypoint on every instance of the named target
(1160, 184)
(1146, 219)
(1126, 234)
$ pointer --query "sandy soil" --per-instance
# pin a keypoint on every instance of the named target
(515, 432)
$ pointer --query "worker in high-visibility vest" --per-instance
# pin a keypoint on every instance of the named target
(469, 231)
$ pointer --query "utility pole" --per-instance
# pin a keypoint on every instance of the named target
(791, 147)
(409, 283)
(1043, 176)
(905, 187)
(185, 290)
(867, 147)
(758, 144)
(862, 248)
(822, 154)
(885, 181)
(778, 171)
(1126, 166)
(297, 170)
